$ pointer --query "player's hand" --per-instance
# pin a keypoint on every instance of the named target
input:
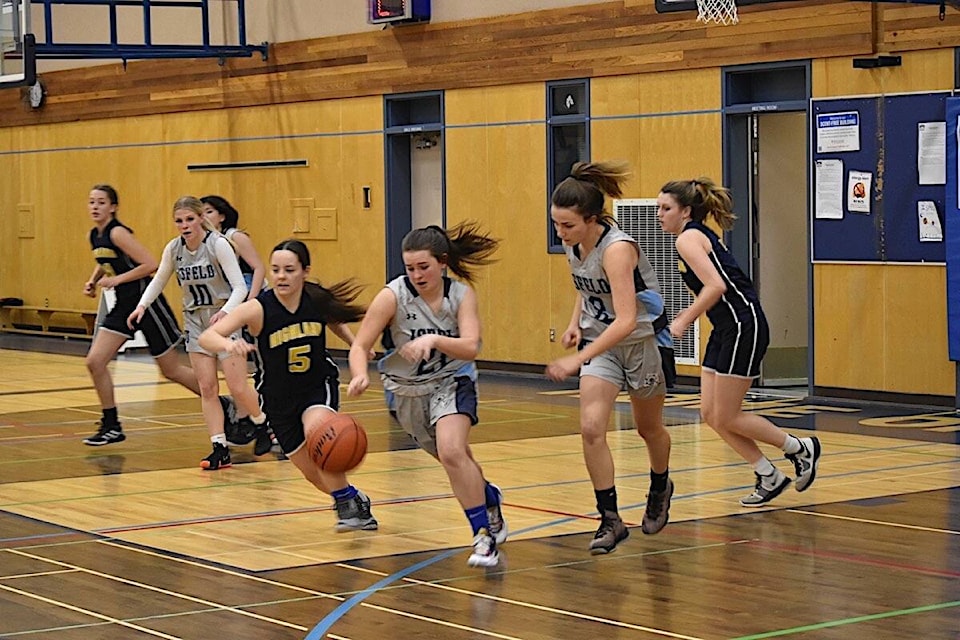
(358, 384)
(678, 328)
(419, 350)
(90, 289)
(219, 315)
(571, 338)
(562, 368)
(134, 318)
(238, 347)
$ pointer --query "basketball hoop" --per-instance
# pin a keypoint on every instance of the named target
(720, 11)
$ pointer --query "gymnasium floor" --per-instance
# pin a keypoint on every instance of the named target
(133, 540)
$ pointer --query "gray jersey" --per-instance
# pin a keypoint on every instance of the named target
(415, 318)
(590, 280)
(199, 273)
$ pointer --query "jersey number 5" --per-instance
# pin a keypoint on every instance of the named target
(298, 359)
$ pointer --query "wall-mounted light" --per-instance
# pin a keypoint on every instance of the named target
(366, 197)
(879, 61)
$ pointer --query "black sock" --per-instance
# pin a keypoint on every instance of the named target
(606, 499)
(658, 481)
(110, 417)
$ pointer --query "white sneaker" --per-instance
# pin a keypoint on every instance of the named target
(498, 526)
(805, 462)
(766, 489)
(485, 552)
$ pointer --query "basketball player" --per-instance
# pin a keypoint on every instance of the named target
(209, 277)
(300, 387)
(223, 217)
(125, 265)
(738, 339)
(616, 344)
(434, 326)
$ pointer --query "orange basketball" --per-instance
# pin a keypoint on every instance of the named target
(338, 444)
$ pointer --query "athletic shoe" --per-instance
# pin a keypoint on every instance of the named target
(766, 489)
(354, 514)
(219, 458)
(498, 526)
(658, 509)
(611, 532)
(106, 434)
(485, 552)
(264, 440)
(805, 462)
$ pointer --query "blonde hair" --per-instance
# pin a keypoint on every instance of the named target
(191, 203)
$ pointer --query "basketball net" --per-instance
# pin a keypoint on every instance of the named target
(720, 11)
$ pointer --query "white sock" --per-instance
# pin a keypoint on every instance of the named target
(764, 467)
(791, 444)
(220, 438)
(260, 418)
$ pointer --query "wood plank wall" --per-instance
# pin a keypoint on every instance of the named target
(612, 38)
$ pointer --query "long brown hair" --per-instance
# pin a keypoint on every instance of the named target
(589, 182)
(462, 248)
(704, 197)
(337, 302)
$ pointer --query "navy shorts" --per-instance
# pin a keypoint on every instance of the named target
(159, 325)
(286, 413)
(738, 349)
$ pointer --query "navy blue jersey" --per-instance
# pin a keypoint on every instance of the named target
(740, 302)
(113, 261)
(293, 347)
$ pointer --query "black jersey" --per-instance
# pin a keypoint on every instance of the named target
(114, 261)
(740, 302)
(293, 347)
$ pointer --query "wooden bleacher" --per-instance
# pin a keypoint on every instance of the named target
(16, 320)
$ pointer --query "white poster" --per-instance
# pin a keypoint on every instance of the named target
(932, 152)
(828, 190)
(930, 229)
(858, 191)
(838, 132)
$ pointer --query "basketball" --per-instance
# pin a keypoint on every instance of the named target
(338, 444)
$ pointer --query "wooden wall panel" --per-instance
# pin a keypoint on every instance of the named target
(915, 345)
(496, 173)
(612, 38)
(849, 323)
(920, 71)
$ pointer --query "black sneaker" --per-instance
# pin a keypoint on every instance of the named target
(658, 510)
(611, 532)
(766, 489)
(264, 440)
(106, 434)
(354, 514)
(219, 458)
(241, 432)
(805, 462)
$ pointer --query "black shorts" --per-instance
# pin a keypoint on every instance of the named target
(738, 349)
(286, 412)
(159, 325)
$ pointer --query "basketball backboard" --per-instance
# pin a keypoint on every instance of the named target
(17, 57)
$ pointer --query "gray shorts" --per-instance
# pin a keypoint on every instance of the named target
(418, 415)
(634, 366)
(194, 323)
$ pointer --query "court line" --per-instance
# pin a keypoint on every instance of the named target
(92, 614)
(134, 583)
(882, 523)
(847, 621)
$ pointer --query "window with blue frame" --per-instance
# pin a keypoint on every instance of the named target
(568, 138)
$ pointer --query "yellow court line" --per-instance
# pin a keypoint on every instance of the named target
(92, 614)
(882, 523)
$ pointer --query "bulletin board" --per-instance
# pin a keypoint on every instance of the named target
(888, 148)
